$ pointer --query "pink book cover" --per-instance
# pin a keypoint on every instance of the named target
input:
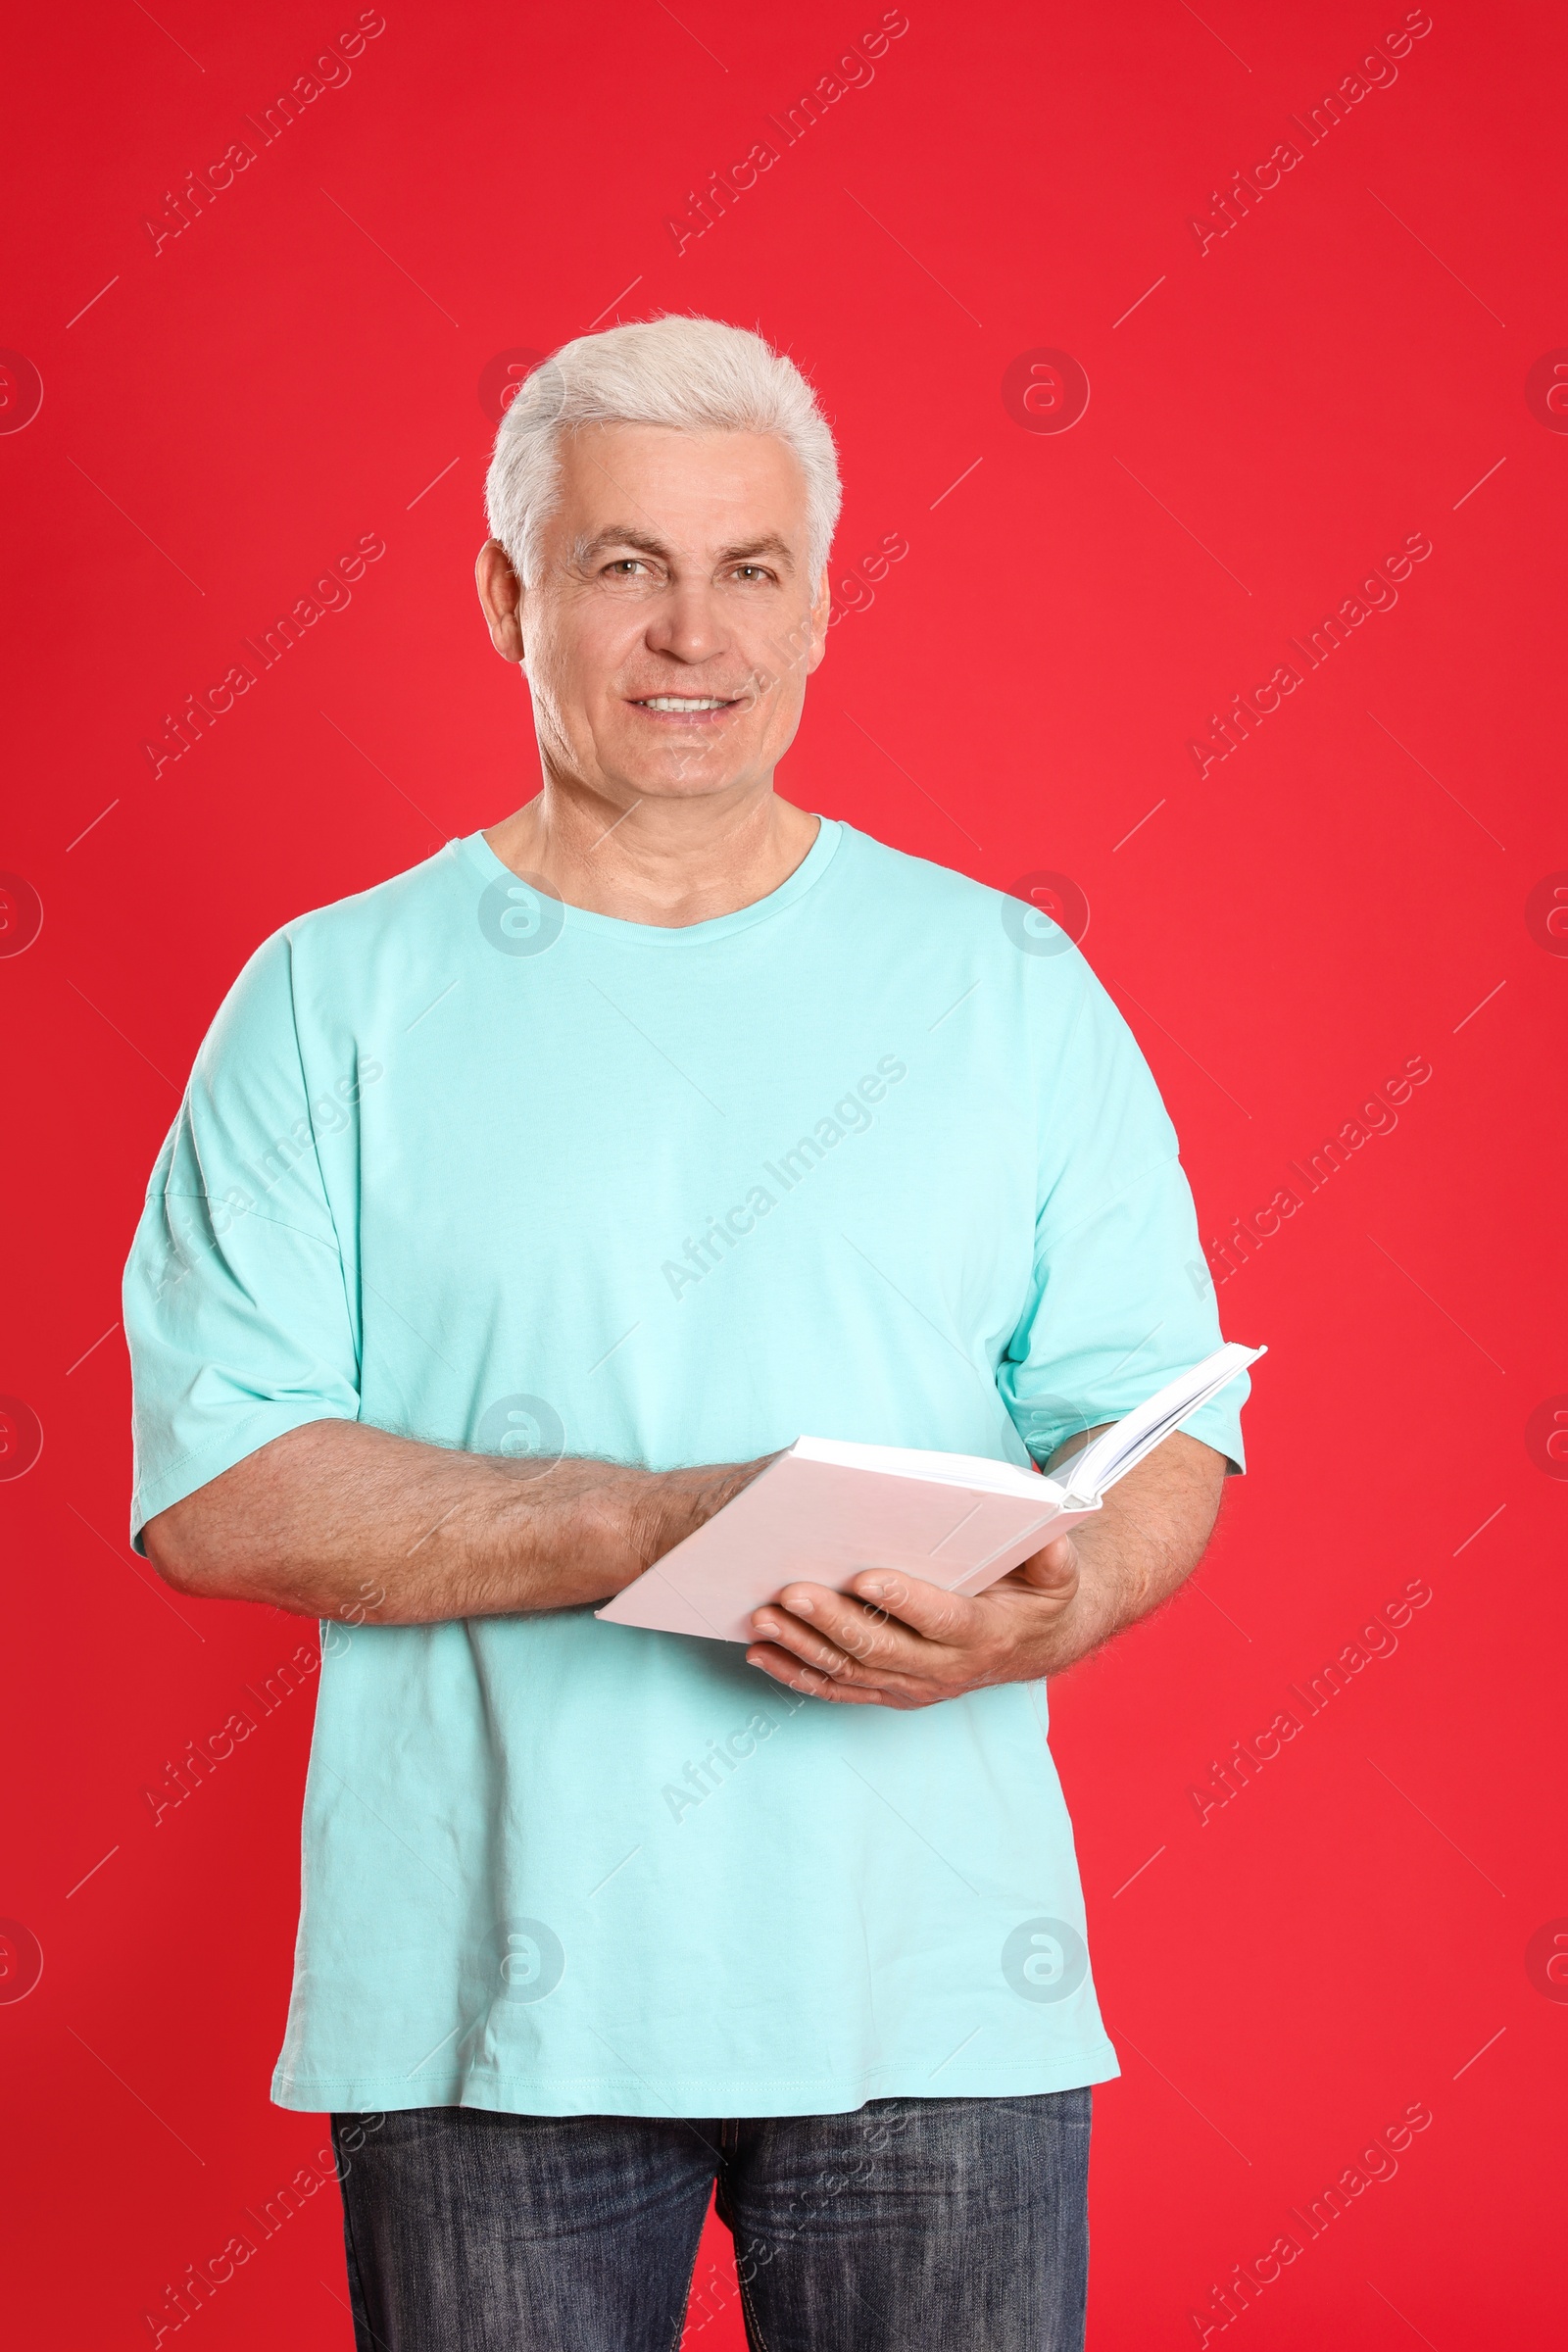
(823, 1520)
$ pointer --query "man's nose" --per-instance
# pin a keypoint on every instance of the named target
(688, 624)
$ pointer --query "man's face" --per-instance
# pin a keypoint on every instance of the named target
(672, 625)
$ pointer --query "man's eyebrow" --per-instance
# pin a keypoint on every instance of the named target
(619, 535)
(770, 544)
(626, 535)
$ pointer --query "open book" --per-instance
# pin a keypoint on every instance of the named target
(827, 1508)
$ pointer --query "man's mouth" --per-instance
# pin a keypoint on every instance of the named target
(684, 706)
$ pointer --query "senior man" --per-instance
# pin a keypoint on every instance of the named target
(518, 1210)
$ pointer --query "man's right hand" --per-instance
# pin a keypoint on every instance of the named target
(341, 1520)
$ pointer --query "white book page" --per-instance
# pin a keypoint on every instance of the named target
(914, 1462)
(1121, 1448)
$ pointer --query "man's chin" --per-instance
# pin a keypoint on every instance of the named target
(687, 770)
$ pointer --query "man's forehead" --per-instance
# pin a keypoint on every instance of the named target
(712, 492)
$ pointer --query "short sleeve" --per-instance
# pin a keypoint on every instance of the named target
(1121, 1297)
(238, 1312)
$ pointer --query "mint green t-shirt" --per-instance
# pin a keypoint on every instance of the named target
(873, 1159)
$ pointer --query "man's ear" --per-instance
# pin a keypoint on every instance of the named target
(501, 594)
(821, 606)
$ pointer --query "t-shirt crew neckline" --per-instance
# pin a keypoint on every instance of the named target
(666, 936)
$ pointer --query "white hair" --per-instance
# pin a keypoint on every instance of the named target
(696, 374)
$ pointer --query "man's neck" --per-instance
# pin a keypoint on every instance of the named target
(659, 861)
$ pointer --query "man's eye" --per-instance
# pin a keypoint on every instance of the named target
(752, 571)
(624, 565)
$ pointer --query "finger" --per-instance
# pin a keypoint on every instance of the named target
(1051, 1569)
(787, 1632)
(952, 1619)
(870, 1636)
(796, 1675)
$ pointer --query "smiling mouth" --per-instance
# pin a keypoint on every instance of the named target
(685, 705)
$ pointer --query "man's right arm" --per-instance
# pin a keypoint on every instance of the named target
(341, 1520)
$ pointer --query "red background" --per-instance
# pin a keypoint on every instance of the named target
(1343, 892)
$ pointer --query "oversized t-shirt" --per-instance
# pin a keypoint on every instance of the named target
(873, 1159)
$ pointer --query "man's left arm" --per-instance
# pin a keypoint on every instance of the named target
(893, 1641)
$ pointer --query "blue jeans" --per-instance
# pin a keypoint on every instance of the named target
(910, 2222)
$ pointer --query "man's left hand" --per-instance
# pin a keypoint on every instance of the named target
(893, 1641)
